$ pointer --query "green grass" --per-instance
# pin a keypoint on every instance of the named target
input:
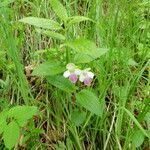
(121, 83)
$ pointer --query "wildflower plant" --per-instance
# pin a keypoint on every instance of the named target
(78, 50)
(68, 89)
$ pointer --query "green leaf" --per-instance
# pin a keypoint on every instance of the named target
(59, 9)
(48, 69)
(85, 58)
(62, 83)
(82, 46)
(102, 51)
(41, 23)
(78, 117)
(82, 58)
(86, 50)
(3, 123)
(147, 117)
(78, 19)
(89, 101)
(51, 34)
(132, 62)
(138, 138)
(11, 135)
(22, 113)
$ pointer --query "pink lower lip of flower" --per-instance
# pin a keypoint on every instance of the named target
(87, 81)
(73, 78)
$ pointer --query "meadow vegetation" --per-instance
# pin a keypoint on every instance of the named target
(50, 99)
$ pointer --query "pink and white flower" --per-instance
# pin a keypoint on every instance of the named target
(86, 76)
(72, 72)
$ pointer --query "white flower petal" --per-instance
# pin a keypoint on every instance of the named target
(90, 74)
(81, 78)
(77, 71)
(66, 74)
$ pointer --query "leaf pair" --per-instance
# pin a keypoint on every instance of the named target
(85, 98)
(17, 116)
(45, 24)
(61, 12)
